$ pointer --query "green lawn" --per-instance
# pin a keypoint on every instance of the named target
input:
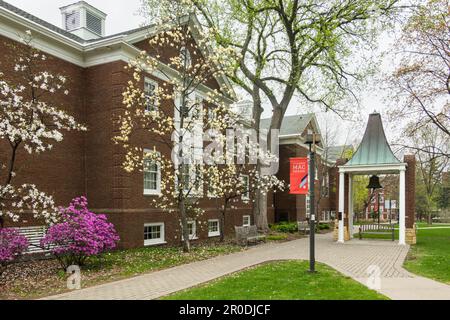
(283, 280)
(42, 278)
(430, 257)
(388, 236)
(434, 225)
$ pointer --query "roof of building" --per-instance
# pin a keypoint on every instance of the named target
(128, 38)
(337, 152)
(291, 124)
(374, 148)
(61, 31)
(37, 20)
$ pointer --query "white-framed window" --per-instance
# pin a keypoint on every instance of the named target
(211, 193)
(152, 176)
(186, 58)
(154, 233)
(246, 187)
(150, 87)
(192, 229)
(212, 113)
(246, 221)
(213, 228)
(192, 177)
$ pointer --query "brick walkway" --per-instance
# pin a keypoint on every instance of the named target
(352, 258)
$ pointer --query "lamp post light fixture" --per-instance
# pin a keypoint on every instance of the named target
(312, 139)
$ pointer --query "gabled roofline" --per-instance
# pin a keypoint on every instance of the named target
(74, 43)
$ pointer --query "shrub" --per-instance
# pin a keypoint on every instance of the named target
(324, 226)
(277, 237)
(285, 227)
(81, 234)
(12, 245)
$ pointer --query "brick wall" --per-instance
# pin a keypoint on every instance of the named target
(291, 206)
(91, 164)
(410, 180)
(60, 171)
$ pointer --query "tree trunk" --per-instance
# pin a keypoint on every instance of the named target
(223, 213)
(184, 226)
(260, 201)
(261, 216)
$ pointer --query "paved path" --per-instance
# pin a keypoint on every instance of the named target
(352, 258)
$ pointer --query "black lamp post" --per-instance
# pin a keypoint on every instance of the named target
(312, 139)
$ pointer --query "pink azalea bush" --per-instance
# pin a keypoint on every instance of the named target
(81, 234)
(12, 245)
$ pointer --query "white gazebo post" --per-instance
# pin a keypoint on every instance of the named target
(402, 208)
(341, 206)
(350, 206)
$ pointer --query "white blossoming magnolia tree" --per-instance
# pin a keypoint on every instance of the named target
(29, 121)
(180, 114)
(231, 183)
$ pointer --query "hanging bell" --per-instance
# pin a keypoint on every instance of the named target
(374, 183)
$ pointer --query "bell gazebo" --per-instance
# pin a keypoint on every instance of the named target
(374, 157)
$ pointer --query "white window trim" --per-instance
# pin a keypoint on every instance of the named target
(188, 56)
(194, 229)
(246, 197)
(214, 233)
(249, 221)
(161, 240)
(194, 192)
(157, 191)
(155, 83)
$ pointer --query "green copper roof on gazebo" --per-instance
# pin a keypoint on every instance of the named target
(374, 148)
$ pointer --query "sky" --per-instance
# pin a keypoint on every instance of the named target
(124, 15)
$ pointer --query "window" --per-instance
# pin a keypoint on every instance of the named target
(213, 228)
(153, 233)
(192, 179)
(212, 113)
(186, 58)
(246, 221)
(192, 226)
(150, 88)
(245, 187)
(152, 176)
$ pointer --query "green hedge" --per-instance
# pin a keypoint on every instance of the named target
(285, 227)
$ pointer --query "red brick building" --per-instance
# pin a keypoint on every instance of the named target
(292, 207)
(90, 163)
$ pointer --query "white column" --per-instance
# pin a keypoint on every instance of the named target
(341, 206)
(402, 208)
(350, 206)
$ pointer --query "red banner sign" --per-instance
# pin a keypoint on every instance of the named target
(299, 175)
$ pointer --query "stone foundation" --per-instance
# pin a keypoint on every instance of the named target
(336, 232)
(410, 235)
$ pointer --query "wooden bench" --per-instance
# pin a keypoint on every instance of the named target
(246, 234)
(303, 226)
(377, 229)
